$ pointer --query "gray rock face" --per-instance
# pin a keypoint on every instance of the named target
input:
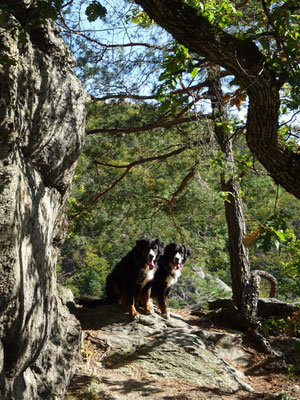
(208, 277)
(42, 121)
(151, 356)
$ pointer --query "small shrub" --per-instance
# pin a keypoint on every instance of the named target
(280, 326)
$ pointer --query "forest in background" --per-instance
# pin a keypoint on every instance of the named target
(101, 232)
(176, 116)
(152, 165)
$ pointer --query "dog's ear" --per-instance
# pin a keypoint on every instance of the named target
(161, 246)
(140, 242)
(187, 252)
(159, 243)
(169, 249)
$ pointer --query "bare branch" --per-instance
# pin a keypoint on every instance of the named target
(67, 4)
(120, 96)
(180, 189)
(152, 125)
(145, 160)
(101, 194)
(128, 167)
(258, 274)
(109, 46)
(188, 89)
(182, 186)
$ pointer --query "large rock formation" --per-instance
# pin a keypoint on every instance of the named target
(42, 121)
(156, 358)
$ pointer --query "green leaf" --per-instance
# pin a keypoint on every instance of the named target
(194, 72)
(95, 11)
(160, 97)
(164, 106)
(281, 235)
(163, 76)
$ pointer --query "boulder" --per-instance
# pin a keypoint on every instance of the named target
(152, 355)
(212, 279)
(42, 122)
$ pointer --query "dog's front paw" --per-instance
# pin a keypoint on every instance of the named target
(134, 316)
(149, 311)
(166, 315)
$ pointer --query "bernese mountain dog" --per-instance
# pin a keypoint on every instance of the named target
(167, 274)
(126, 283)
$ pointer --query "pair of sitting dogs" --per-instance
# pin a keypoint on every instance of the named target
(148, 271)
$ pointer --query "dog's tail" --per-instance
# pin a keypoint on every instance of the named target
(90, 302)
(110, 290)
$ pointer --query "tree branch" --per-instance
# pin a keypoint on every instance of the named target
(101, 194)
(188, 89)
(128, 167)
(147, 127)
(258, 274)
(108, 46)
(182, 186)
(145, 160)
(280, 43)
(243, 59)
(180, 189)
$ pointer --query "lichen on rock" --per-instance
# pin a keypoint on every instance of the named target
(152, 355)
(42, 122)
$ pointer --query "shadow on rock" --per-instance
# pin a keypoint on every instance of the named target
(99, 317)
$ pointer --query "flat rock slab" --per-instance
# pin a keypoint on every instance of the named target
(152, 355)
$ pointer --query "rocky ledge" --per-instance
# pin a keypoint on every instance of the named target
(152, 356)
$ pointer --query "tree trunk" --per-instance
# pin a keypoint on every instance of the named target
(244, 298)
(244, 60)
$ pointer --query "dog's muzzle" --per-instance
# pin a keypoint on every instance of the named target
(177, 262)
(151, 265)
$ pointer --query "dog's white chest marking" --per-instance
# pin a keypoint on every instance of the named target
(148, 275)
(172, 279)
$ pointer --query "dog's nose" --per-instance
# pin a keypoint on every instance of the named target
(176, 260)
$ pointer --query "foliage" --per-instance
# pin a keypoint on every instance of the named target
(94, 11)
(272, 233)
(222, 13)
(272, 25)
(289, 326)
(89, 388)
(141, 61)
(90, 268)
(289, 269)
(100, 235)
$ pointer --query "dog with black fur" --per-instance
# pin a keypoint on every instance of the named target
(167, 274)
(129, 277)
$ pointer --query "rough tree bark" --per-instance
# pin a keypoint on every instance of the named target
(245, 284)
(244, 60)
(245, 298)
